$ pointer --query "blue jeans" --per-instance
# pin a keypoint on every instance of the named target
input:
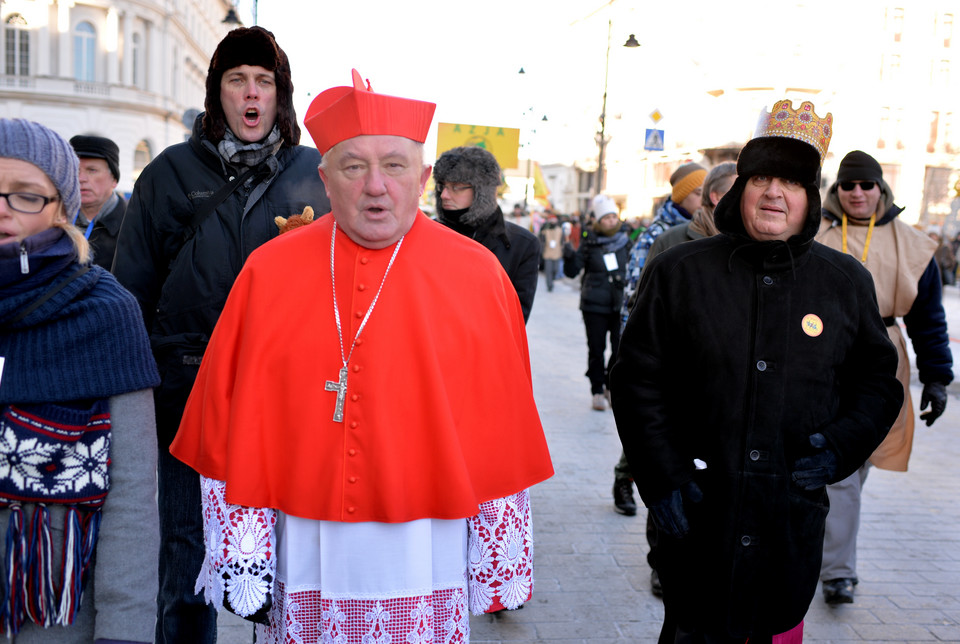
(182, 615)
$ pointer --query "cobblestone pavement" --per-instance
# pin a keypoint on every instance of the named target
(592, 579)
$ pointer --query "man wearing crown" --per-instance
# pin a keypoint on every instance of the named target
(860, 218)
(753, 371)
(351, 448)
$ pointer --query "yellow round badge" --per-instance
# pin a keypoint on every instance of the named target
(812, 325)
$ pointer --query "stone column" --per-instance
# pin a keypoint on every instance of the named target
(65, 58)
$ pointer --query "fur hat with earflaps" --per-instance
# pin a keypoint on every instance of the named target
(476, 167)
(250, 46)
(788, 143)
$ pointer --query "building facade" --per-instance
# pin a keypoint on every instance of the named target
(889, 71)
(130, 70)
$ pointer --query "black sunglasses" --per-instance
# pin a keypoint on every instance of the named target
(848, 186)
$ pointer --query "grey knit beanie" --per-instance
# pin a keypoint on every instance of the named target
(37, 144)
(476, 167)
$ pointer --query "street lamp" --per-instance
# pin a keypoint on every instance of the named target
(602, 136)
(233, 19)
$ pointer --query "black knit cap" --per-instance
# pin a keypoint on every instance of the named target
(859, 166)
(250, 46)
(98, 147)
(476, 167)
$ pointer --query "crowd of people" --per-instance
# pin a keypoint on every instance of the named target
(183, 431)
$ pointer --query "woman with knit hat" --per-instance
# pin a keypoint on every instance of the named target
(77, 436)
(602, 256)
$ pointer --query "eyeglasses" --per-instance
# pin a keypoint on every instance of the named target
(849, 186)
(27, 202)
(455, 188)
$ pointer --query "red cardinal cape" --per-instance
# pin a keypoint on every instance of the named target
(439, 413)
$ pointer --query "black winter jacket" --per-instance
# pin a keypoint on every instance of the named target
(601, 289)
(182, 284)
(103, 237)
(736, 352)
(517, 249)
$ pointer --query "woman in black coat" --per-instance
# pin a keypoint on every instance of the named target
(602, 256)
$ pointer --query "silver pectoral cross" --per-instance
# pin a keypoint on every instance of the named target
(339, 386)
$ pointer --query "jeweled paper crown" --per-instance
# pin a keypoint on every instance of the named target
(802, 124)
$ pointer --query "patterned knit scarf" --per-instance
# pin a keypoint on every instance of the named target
(50, 454)
(83, 343)
(238, 152)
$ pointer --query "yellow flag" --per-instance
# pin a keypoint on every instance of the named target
(502, 142)
(540, 189)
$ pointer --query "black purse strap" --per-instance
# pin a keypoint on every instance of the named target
(211, 204)
(53, 290)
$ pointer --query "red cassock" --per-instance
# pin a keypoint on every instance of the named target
(439, 413)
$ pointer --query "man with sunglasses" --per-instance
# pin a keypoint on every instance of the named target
(860, 218)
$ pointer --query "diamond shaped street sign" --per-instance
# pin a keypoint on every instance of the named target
(655, 116)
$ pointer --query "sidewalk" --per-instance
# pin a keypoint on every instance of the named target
(592, 579)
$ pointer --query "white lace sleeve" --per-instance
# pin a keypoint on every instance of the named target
(500, 552)
(240, 561)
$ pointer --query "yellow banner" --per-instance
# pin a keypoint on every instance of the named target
(540, 189)
(502, 142)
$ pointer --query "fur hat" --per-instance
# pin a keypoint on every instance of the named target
(774, 156)
(859, 166)
(250, 46)
(98, 147)
(37, 144)
(474, 166)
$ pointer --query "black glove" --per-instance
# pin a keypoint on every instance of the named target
(668, 512)
(812, 472)
(935, 395)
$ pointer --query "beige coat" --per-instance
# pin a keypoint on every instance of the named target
(897, 257)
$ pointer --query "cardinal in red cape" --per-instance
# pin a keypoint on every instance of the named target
(363, 420)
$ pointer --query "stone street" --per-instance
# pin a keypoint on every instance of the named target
(592, 580)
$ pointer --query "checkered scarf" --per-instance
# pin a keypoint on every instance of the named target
(238, 152)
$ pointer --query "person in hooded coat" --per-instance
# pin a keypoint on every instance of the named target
(860, 217)
(196, 214)
(466, 180)
(753, 371)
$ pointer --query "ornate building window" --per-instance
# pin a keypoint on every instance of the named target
(84, 52)
(17, 49)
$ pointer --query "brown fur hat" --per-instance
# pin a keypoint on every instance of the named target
(250, 46)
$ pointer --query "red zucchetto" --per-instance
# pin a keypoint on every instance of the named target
(341, 113)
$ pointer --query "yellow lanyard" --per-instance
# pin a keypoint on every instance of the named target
(866, 245)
